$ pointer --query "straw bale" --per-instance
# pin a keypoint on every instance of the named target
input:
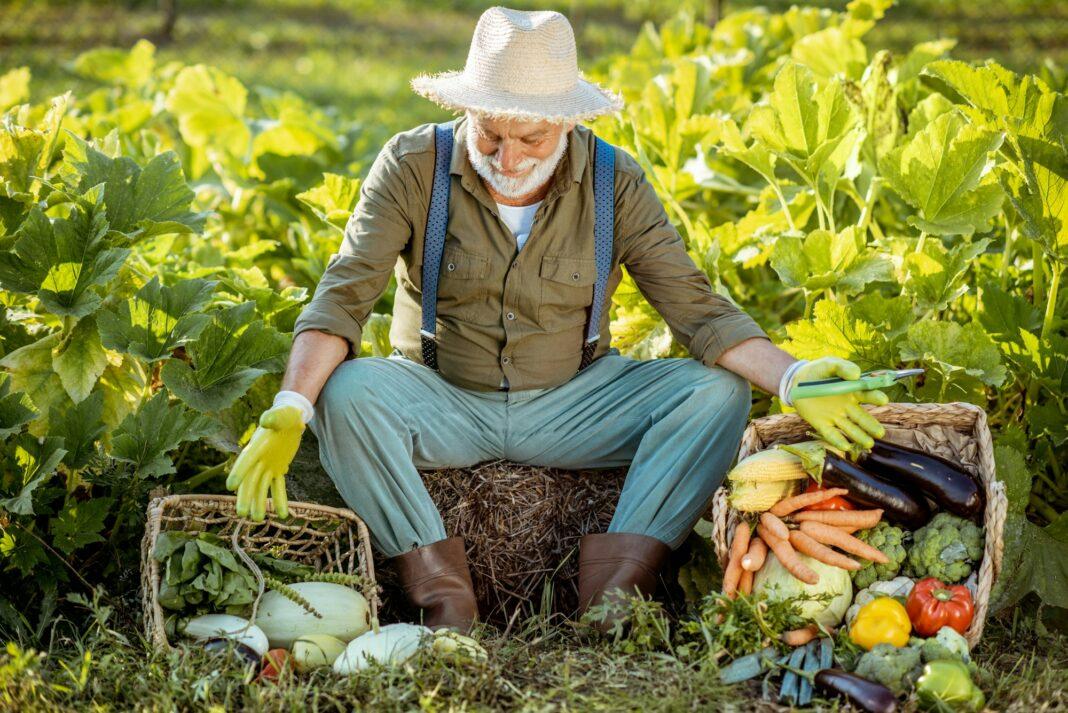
(521, 525)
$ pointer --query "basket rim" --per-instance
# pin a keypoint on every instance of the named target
(725, 518)
(152, 612)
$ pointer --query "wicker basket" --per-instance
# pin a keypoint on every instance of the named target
(962, 417)
(328, 539)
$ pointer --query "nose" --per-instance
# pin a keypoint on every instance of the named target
(510, 157)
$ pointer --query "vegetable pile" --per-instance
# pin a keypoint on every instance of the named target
(304, 620)
(886, 540)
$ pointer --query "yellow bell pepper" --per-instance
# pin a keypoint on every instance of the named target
(881, 621)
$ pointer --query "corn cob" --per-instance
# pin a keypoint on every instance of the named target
(770, 466)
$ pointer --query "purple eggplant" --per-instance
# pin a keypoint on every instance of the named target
(900, 504)
(868, 695)
(954, 490)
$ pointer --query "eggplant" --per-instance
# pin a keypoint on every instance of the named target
(868, 695)
(954, 490)
(899, 504)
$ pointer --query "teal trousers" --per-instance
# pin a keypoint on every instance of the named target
(676, 422)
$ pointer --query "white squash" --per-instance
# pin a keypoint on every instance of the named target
(453, 645)
(224, 625)
(345, 613)
(392, 645)
(316, 650)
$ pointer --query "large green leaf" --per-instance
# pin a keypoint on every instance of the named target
(835, 331)
(953, 349)
(61, 260)
(140, 202)
(824, 260)
(80, 523)
(157, 319)
(935, 275)
(38, 460)
(31, 372)
(1035, 559)
(16, 408)
(112, 65)
(80, 359)
(332, 200)
(231, 352)
(1004, 314)
(210, 107)
(14, 87)
(79, 425)
(831, 52)
(943, 174)
(145, 437)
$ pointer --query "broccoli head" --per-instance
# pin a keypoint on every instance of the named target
(946, 644)
(895, 667)
(946, 548)
(890, 541)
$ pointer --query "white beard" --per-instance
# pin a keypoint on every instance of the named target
(488, 167)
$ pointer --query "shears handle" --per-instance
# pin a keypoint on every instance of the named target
(832, 387)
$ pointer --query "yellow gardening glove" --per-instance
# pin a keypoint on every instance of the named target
(262, 465)
(839, 419)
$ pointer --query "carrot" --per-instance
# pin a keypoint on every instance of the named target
(806, 545)
(800, 637)
(754, 558)
(775, 526)
(789, 505)
(745, 584)
(739, 546)
(830, 535)
(859, 518)
(788, 556)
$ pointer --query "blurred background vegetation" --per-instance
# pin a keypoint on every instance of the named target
(358, 55)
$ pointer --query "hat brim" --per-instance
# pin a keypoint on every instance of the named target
(585, 101)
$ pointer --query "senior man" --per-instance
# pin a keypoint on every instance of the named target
(507, 230)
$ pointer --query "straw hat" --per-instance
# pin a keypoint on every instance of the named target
(521, 65)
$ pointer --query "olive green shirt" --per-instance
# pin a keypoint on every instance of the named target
(502, 311)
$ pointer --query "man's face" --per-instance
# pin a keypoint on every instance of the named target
(515, 157)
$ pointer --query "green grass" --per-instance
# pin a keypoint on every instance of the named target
(544, 664)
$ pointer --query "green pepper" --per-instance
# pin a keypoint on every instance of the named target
(947, 685)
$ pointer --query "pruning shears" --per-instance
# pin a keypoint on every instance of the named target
(879, 379)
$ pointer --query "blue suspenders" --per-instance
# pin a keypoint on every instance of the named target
(438, 220)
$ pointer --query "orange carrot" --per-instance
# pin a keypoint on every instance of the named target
(775, 526)
(789, 505)
(745, 584)
(788, 556)
(806, 545)
(831, 535)
(800, 637)
(754, 558)
(858, 518)
(739, 546)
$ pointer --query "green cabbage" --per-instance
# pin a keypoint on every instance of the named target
(825, 602)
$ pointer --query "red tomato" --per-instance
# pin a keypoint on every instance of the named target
(835, 503)
(275, 662)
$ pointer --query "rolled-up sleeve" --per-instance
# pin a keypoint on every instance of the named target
(358, 274)
(700, 319)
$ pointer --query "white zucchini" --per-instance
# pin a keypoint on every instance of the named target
(392, 645)
(450, 644)
(227, 626)
(316, 650)
(345, 613)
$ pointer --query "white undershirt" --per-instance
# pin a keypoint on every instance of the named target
(519, 218)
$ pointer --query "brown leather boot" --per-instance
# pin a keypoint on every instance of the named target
(436, 579)
(614, 561)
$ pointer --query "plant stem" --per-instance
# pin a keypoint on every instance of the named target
(1006, 258)
(1051, 300)
(205, 475)
(921, 241)
(1038, 274)
(869, 204)
(785, 207)
(810, 301)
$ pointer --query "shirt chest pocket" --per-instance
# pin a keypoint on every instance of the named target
(463, 287)
(566, 291)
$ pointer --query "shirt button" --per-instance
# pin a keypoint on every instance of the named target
(575, 276)
(506, 360)
(510, 315)
(450, 267)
